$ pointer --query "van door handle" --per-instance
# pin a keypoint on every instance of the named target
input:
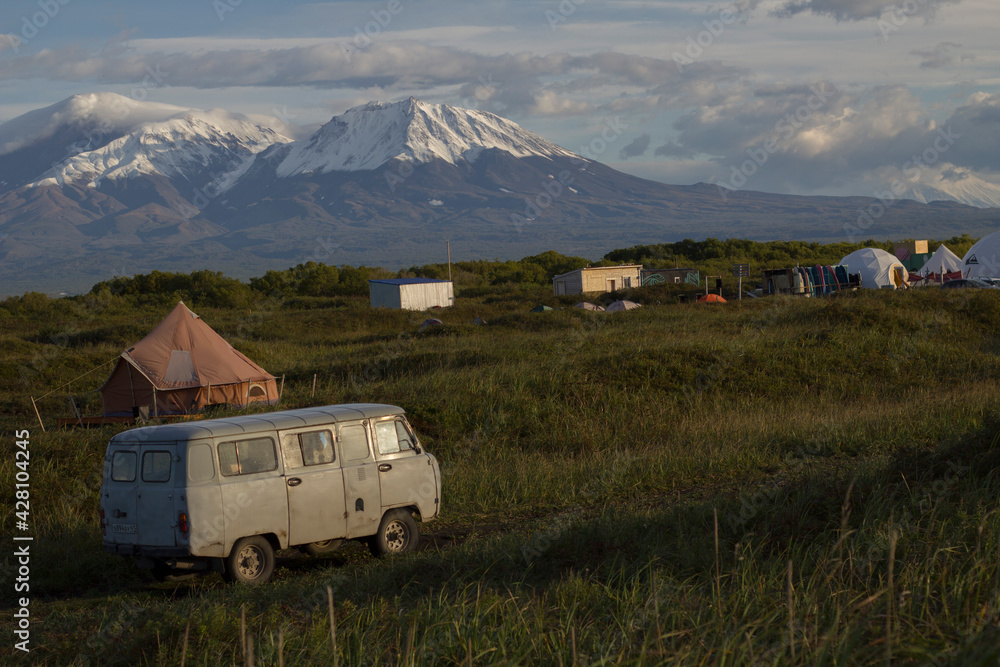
(384, 467)
(294, 481)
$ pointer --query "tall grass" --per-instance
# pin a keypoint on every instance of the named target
(585, 459)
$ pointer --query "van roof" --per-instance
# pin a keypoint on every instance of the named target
(265, 421)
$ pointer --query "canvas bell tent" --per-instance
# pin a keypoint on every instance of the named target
(983, 258)
(878, 268)
(943, 261)
(181, 367)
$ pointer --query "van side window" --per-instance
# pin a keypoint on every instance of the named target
(123, 467)
(245, 457)
(354, 442)
(316, 447)
(385, 434)
(201, 468)
(156, 466)
(392, 437)
(405, 438)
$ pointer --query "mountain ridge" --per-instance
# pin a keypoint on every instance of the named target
(385, 184)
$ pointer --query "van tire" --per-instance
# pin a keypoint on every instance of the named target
(321, 548)
(251, 561)
(397, 534)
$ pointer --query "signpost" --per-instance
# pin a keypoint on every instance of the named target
(741, 271)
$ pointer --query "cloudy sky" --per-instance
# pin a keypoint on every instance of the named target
(795, 96)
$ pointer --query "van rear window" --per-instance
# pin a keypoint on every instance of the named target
(123, 467)
(245, 457)
(156, 466)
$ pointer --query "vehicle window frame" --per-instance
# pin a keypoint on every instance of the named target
(332, 447)
(170, 460)
(135, 465)
(239, 463)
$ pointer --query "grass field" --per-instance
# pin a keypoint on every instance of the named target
(774, 481)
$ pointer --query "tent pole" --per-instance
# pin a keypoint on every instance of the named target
(282, 387)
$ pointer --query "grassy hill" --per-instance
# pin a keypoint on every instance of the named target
(774, 481)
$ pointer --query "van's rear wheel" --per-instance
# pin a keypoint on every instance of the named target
(321, 548)
(251, 561)
(397, 534)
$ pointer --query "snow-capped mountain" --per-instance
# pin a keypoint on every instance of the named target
(152, 139)
(367, 137)
(99, 185)
(970, 190)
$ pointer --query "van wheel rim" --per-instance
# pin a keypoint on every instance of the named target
(395, 535)
(250, 562)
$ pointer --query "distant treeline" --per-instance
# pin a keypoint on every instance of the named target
(313, 280)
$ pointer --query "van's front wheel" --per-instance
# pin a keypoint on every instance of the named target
(251, 561)
(397, 534)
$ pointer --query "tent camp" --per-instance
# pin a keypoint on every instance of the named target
(941, 262)
(181, 367)
(586, 305)
(878, 268)
(983, 258)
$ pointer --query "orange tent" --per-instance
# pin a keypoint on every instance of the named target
(181, 367)
(711, 298)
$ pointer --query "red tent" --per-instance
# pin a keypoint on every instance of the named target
(711, 298)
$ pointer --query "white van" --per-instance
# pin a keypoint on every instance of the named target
(226, 494)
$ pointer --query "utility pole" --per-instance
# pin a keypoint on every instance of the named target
(449, 260)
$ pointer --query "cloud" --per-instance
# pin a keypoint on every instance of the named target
(940, 56)
(9, 42)
(637, 147)
(555, 84)
(859, 10)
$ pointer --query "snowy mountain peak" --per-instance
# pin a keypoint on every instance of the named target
(90, 114)
(368, 136)
(178, 142)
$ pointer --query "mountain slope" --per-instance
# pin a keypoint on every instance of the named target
(87, 197)
(367, 137)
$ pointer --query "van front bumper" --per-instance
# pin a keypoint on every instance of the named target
(151, 552)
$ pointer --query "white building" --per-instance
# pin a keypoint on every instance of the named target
(411, 293)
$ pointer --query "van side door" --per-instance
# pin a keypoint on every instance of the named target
(405, 477)
(314, 482)
(254, 500)
(361, 486)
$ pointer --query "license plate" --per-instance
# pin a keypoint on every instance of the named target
(123, 528)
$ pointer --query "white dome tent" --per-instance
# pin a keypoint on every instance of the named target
(942, 261)
(983, 258)
(878, 268)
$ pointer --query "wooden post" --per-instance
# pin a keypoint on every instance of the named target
(282, 387)
(314, 386)
(76, 410)
(36, 413)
